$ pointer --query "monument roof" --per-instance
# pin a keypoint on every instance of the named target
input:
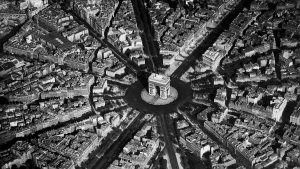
(157, 78)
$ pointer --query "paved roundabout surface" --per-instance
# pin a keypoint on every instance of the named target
(134, 94)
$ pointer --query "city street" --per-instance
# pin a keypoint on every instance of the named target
(133, 93)
(151, 84)
(124, 59)
(208, 41)
(169, 143)
(144, 24)
(199, 124)
(112, 147)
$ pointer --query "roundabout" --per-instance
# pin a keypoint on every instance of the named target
(137, 97)
(156, 100)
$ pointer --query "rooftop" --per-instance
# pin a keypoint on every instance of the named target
(159, 78)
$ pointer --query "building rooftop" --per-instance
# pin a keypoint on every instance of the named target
(57, 40)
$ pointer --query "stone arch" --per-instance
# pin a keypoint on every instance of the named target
(159, 84)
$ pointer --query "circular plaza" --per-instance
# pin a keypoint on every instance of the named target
(138, 97)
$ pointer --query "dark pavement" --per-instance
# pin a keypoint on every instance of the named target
(121, 56)
(144, 23)
(162, 122)
(132, 96)
(208, 40)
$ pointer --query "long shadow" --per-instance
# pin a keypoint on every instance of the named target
(111, 21)
(8, 142)
(210, 38)
(117, 146)
(151, 47)
(143, 78)
(276, 54)
(288, 111)
(3, 100)
(207, 161)
(14, 31)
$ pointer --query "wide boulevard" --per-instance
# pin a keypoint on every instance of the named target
(133, 99)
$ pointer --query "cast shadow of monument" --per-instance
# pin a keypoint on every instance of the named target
(143, 78)
(3, 100)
